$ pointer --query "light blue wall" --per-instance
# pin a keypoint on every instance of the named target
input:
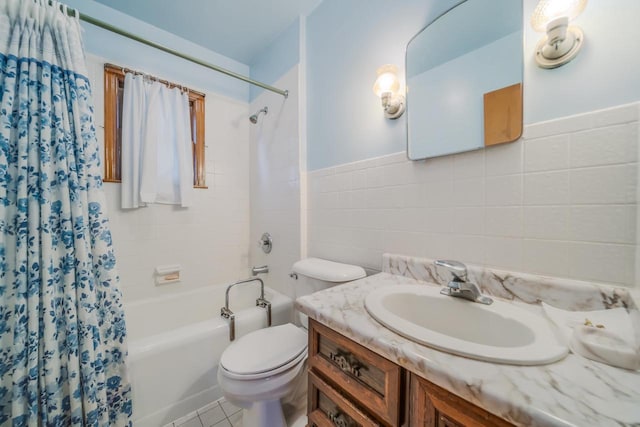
(605, 73)
(445, 103)
(348, 41)
(127, 52)
(279, 57)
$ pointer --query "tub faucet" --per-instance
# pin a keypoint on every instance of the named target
(259, 270)
(458, 285)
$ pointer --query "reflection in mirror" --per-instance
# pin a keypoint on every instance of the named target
(464, 79)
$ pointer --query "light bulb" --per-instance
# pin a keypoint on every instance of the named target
(387, 80)
(387, 88)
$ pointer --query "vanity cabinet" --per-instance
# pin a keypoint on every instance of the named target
(351, 386)
(331, 408)
(430, 405)
(366, 380)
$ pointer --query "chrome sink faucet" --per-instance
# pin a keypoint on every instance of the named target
(458, 285)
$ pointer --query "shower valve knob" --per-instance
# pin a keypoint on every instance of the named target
(265, 243)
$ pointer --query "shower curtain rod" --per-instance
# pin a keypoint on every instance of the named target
(113, 29)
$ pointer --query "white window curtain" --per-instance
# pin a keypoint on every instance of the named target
(157, 159)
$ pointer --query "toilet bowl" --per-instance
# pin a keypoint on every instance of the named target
(266, 369)
(260, 369)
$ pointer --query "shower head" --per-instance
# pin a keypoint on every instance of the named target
(254, 118)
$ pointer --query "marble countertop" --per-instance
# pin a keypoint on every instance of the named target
(572, 392)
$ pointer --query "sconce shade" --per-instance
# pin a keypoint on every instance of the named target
(548, 10)
(387, 80)
(387, 88)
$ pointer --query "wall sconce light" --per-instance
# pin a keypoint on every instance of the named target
(562, 42)
(387, 86)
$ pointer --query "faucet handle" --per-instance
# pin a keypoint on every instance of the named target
(265, 243)
(457, 269)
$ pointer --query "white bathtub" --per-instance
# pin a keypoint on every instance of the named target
(175, 344)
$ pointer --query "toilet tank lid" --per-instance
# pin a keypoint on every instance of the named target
(328, 271)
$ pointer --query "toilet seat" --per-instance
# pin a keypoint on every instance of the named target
(248, 377)
(264, 352)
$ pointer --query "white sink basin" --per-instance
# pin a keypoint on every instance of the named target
(500, 332)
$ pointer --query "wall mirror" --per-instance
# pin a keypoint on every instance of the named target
(464, 79)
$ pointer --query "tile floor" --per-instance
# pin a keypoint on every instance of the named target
(216, 414)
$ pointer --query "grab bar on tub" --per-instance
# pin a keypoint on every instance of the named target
(228, 314)
(260, 302)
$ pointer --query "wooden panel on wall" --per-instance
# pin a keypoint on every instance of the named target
(503, 115)
(113, 83)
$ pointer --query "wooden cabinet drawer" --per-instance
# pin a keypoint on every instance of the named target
(432, 406)
(327, 408)
(369, 379)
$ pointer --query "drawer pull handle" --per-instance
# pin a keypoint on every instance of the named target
(339, 419)
(347, 362)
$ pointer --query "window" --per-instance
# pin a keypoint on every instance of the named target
(113, 91)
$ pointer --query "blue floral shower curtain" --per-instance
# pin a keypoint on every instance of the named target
(62, 331)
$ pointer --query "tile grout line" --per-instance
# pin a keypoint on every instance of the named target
(197, 412)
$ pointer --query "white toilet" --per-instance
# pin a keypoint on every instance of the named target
(266, 368)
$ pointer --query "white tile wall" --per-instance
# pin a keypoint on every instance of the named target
(547, 154)
(209, 240)
(561, 201)
(275, 182)
(550, 256)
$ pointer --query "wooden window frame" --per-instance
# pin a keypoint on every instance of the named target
(113, 81)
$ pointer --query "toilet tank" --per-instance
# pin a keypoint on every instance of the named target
(315, 274)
